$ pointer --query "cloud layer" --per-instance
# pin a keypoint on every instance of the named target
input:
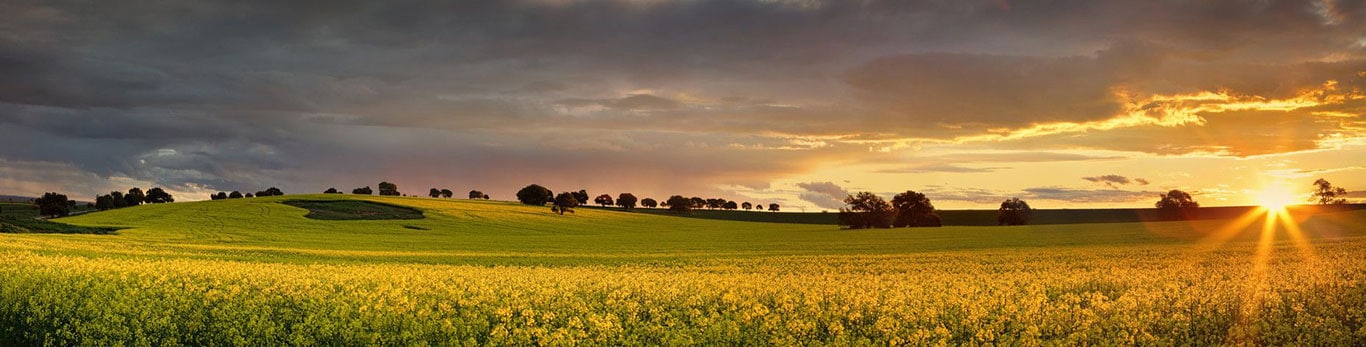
(656, 97)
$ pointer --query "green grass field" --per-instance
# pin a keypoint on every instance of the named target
(258, 272)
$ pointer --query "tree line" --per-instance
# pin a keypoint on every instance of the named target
(272, 191)
(862, 210)
(561, 203)
(912, 209)
(134, 197)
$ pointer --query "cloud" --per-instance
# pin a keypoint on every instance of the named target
(489, 94)
(1086, 195)
(946, 168)
(1113, 181)
(639, 102)
(823, 194)
(1063, 194)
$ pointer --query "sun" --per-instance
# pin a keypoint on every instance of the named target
(1275, 197)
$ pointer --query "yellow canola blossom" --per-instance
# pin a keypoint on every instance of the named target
(1165, 295)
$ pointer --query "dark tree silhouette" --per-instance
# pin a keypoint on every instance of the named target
(272, 191)
(249, 195)
(773, 207)
(626, 200)
(581, 196)
(331, 191)
(604, 200)
(565, 202)
(447, 193)
(220, 196)
(747, 206)
(715, 203)
(53, 205)
(1326, 194)
(389, 189)
(104, 202)
(648, 203)
(1014, 211)
(118, 199)
(235, 195)
(913, 210)
(363, 191)
(134, 197)
(158, 196)
(698, 202)
(730, 205)
(535, 194)
(435, 193)
(1177, 204)
(866, 210)
(679, 203)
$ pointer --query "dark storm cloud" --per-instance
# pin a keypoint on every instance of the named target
(241, 94)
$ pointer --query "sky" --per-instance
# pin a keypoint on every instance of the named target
(1066, 104)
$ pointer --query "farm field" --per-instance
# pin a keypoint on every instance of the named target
(257, 272)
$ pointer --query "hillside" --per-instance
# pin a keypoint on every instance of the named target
(473, 231)
(988, 217)
(421, 271)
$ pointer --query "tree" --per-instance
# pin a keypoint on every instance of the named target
(626, 201)
(447, 193)
(104, 202)
(715, 203)
(331, 191)
(747, 206)
(582, 196)
(1177, 204)
(565, 202)
(134, 197)
(914, 210)
(475, 194)
(604, 200)
(363, 191)
(272, 191)
(1326, 194)
(679, 203)
(535, 194)
(220, 196)
(1014, 212)
(53, 205)
(730, 205)
(866, 210)
(388, 189)
(249, 195)
(117, 198)
(698, 202)
(435, 193)
(158, 196)
(648, 203)
(235, 195)
(773, 207)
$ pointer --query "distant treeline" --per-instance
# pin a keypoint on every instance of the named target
(538, 195)
(862, 210)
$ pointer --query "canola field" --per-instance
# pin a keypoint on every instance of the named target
(256, 272)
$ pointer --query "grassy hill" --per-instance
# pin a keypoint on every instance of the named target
(259, 272)
(471, 231)
(988, 217)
